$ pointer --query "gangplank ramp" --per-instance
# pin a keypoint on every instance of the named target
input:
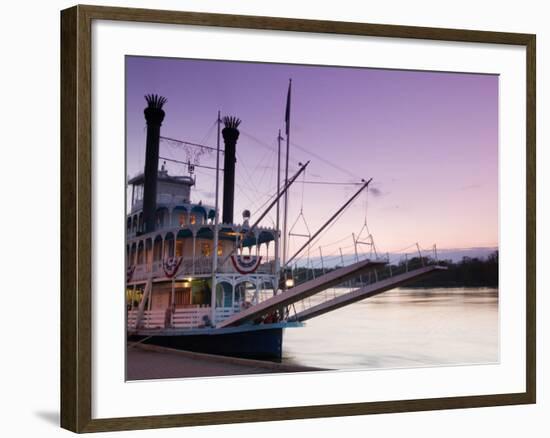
(302, 291)
(365, 292)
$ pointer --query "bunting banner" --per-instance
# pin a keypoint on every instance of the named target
(245, 264)
(171, 266)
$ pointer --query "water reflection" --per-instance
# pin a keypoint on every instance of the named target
(401, 328)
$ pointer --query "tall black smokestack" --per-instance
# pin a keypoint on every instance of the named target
(230, 135)
(154, 115)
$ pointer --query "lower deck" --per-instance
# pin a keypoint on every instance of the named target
(186, 303)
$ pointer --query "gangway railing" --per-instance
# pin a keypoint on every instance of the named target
(302, 291)
(362, 293)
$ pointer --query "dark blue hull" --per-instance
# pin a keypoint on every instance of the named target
(252, 344)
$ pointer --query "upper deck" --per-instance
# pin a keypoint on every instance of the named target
(184, 234)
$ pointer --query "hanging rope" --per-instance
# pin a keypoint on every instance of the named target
(300, 216)
(365, 228)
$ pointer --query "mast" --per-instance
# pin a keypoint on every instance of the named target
(287, 123)
(216, 230)
(277, 255)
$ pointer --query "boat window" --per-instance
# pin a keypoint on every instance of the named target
(169, 244)
(182, 297)
(179, 248)
(138, 193)
(132, 255)
(244, 293)
(205, 250)
(157, 250)
(224, 294)
(140, 254)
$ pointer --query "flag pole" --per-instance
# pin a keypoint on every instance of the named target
(285, 216)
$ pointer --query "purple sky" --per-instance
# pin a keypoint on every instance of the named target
(429, 140)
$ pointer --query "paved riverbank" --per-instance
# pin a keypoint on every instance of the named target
(152, 362)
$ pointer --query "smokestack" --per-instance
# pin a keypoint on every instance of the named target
(154, 115)
(230, 135)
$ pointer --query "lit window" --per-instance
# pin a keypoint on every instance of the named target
(182, 220)
(192, 219)
(205, 249)
(220, 249)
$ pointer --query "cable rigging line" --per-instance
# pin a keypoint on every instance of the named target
(331, 219)
(324, 160)
(175, 141)
(334, 183)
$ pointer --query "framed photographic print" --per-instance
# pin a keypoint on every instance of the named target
(268, 218)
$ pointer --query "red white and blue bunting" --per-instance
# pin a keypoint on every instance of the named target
(245, 264)
(171, 266)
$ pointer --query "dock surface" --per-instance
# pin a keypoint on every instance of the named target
(145, 362)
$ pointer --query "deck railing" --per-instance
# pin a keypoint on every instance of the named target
(192, 317)
(186, 317)
(201, 266)
(225, 312)
(151, 319)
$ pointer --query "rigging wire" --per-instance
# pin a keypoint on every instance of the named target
(334, 183)
(327, 162)
(316, 240)
(248, 173)
(175, 141)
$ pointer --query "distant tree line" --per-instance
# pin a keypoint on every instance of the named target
(468, 272)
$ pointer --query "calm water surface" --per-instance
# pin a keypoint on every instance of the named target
(401, 328)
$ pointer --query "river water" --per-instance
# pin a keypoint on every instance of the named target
(400, 328)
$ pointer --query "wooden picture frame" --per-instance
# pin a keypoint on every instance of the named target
(76, 218)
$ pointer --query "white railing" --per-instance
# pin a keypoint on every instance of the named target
(228, 268)
(151, 319)
(132, 319)
(187, 317)
(154, 318)
(190, 317)
(225, 312)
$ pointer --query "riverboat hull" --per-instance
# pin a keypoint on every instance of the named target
(253, 342)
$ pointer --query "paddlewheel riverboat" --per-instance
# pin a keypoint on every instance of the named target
(199, 282)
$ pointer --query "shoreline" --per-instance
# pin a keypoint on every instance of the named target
(146, 362)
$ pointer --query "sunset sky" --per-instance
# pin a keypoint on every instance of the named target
(429, 140)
